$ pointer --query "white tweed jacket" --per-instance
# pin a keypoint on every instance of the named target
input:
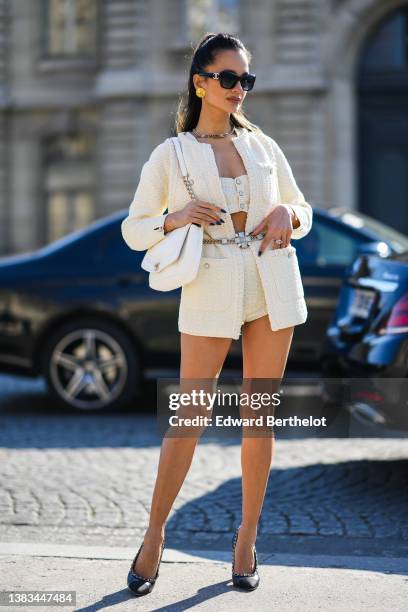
(210, 303)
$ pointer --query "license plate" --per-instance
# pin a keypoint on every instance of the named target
(361, 304)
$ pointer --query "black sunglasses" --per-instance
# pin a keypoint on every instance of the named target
(229, 79)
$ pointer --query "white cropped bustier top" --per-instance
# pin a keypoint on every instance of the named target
(236, 192)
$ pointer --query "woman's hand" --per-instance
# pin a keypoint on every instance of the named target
(276, 226)
(198, 212)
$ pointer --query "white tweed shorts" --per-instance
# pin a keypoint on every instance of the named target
(202, 318)
(254, 304)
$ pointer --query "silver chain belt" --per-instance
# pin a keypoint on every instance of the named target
(240, 238)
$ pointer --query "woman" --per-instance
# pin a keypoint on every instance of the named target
(238, 173)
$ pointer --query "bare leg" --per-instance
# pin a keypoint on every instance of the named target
(258, 451)
(201, 357)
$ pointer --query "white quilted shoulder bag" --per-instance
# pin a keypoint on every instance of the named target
(174, 261)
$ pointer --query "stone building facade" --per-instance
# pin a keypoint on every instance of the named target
(89, 87)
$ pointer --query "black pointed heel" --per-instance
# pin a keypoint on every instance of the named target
(141, 585)
(250, 580)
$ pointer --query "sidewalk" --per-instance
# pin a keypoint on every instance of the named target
(202, 579)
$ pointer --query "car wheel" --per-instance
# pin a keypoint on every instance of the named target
(91, 364)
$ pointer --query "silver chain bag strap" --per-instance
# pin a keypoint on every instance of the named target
(174, 261)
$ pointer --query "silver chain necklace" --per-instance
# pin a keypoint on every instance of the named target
(194, 131)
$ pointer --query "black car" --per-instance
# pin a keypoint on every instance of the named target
(367, 340)
(81, 313)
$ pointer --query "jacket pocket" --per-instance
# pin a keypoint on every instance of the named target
(211, 289)
(284, 267)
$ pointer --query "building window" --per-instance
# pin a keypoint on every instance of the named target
(74, 146)
(212, 16)
(68, 171)
(68, 211)
(70, 28)
(387, 47)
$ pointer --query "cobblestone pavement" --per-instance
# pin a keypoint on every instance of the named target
(88, 479)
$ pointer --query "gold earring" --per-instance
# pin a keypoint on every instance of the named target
(200, 92)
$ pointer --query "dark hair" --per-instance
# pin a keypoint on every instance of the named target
(188, 112)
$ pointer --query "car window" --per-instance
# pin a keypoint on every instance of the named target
(378, 230)
(326, 245)
(398, 241)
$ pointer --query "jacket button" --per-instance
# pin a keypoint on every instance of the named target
(206, 265)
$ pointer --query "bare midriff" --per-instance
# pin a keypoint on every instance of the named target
(229, 164)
